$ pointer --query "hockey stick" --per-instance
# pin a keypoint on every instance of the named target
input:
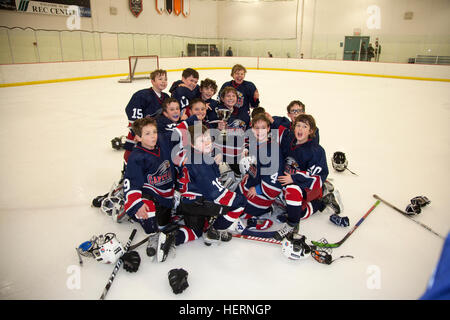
(319, 255)
(406, 215)
(260, 239)
(117, 266)
(140, 243)
(337, 244)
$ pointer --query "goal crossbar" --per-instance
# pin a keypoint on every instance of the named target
(133, 73)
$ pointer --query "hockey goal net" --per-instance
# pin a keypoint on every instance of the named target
(140, 67)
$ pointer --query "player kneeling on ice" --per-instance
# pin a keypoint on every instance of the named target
(209, 209)
(305, 171)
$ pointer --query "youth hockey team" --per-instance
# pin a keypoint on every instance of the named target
(196, 167)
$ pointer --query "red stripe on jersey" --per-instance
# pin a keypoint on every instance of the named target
(309, 210)
(260, 202)
(182, 130)
(270, 191)
(234, 214)
(162, 193)
(151, 205)
(316, 191)
(226, 198)
(132, 199)
(189, 234)
(228, 150)
(293, 195)
(126, 155)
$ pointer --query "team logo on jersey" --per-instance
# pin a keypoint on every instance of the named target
(252, 170)
(291, 166)
(240, 100)
(237, 124)
(161, 176)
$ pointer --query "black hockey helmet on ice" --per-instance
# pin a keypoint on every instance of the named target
(339, 161)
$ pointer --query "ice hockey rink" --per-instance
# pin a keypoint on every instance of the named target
(56, 156)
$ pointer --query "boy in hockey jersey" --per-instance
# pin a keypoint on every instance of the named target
(144, 103)
(170, 117)
(208, 89)
(305, 171)
(231, 144)
(248, 95)
(187, 90)
(294, 109)
(203, 197)
(260, 185)
(149, 181)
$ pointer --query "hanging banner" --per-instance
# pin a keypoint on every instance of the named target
(169, 7)
(177, 7)
(50, 7)
(8, 5)
(136, 7)
(186, 7)
(160, 6)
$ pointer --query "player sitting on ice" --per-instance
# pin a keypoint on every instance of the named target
(306, 169)
(204, 200)
(149, 182)
(143, 103)
(260, 185)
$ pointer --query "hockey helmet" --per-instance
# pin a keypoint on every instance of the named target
(109, 249)
(118, 142)
(104, 248)
(295, 248)
(112, 205)
(246, 163)
(339, 161)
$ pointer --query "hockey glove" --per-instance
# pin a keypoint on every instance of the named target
(178, 280)
(131, 261)
(413, 209)
(340, 221)
(422, 201)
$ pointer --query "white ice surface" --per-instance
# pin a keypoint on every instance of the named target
(56, 156)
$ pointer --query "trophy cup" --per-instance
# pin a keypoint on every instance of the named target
(224, 115)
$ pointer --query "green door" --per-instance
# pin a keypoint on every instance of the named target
(352, 47)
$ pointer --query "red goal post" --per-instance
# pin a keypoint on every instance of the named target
(140, 67)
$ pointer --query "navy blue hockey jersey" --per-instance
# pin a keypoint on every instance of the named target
(246, 91)
(263, 175)
(232, 145)
(306, 162)
(286, 123)
(200, 179)
(149, 172)
(184, 95)
(143, 103)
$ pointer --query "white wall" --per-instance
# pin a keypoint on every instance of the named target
(257, 20)
(427, 33)
(202, 21)
(319, 29)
